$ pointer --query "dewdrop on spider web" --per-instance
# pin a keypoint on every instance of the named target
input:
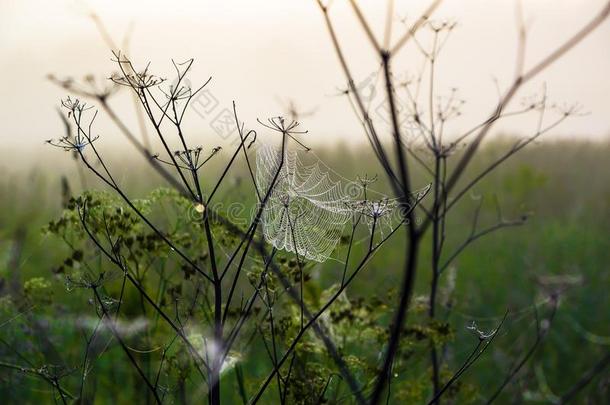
(383, 216)
(479, 333)
(305, 212)
(379, 215)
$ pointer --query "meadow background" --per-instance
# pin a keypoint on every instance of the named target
(267, 55)
(564, 185)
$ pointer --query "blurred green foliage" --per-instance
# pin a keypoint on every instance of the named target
(45, 318)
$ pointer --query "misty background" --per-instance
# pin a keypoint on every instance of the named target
(266, 54)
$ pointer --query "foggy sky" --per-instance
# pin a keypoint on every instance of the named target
(261, 53)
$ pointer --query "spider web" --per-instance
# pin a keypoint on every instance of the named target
(306, 210)
(383, 216)
(380, 216)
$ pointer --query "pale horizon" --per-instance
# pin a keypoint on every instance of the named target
(263, 53)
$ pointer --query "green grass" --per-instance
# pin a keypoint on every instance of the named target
(564, 185)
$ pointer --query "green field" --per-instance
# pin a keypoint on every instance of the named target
(563, 186)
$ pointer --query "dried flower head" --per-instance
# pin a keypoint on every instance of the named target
(279, 124)
(130, 77)
(74, 106)
(78, 142)
(89, 86)
(191, 159)
(75, 144)
(138, 80)
(374, 209)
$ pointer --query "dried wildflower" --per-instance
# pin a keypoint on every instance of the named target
(191, 159)
(89, 86)
(374, 209)
(364, 182)
(74, 106)
(75, 143)
(279, 124)
(379, 215)
(139, 80)
(177, 92)
(131, 78)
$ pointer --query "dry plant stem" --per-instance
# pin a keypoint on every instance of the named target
(143, 217)
(514, 149)
(108, 321)
(214, 370)
(412, 247)
(109, 180)
(416, 26)
(249, 235)
(107, 38)
(540, 335)
(369, 127)
(86, 359)
(290, 368)
(366, 26)
(330, 346)
(436, 250)
(389, 17)
(472, 358)
(68, 131)
(240, 131)
(163, 357)
(296, 253)
(440, 199)
(349, 249)
(140, 147)
(437, 151)
(521, 78)
(214, 378)
(121, 265)
(305, 312)
(245, 313)
(64, 394)
(401, 186)
(328, 343)
(273, 355)
(313, 318)
(585, 379)
(141, 93)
